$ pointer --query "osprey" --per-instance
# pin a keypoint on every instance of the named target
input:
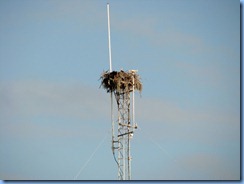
(133, 71)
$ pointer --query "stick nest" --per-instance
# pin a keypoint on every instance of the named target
(120, 82)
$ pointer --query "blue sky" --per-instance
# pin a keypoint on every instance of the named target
(53, 114)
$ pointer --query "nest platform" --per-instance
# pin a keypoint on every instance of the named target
(121, 81)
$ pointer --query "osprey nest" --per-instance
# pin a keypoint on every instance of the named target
(121, 81)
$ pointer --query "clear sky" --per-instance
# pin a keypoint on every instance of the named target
(53, 114)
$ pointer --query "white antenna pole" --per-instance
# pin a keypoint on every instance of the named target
(110, 70)
(109, 42)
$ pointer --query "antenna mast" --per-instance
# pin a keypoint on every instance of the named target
(121, 84)
(109, 41)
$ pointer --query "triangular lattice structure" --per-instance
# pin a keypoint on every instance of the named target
(122, 84)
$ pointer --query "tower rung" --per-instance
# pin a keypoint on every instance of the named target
(127, 125)
(125, 134)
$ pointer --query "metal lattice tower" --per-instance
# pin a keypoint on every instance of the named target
(124, 135)
(121, 85)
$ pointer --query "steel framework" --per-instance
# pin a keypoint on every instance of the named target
(125, 126)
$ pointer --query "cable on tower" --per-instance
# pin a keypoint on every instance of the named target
(89, 159)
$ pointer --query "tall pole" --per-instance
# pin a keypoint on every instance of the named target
(121, 140)
(110, 70)
(109, 41)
